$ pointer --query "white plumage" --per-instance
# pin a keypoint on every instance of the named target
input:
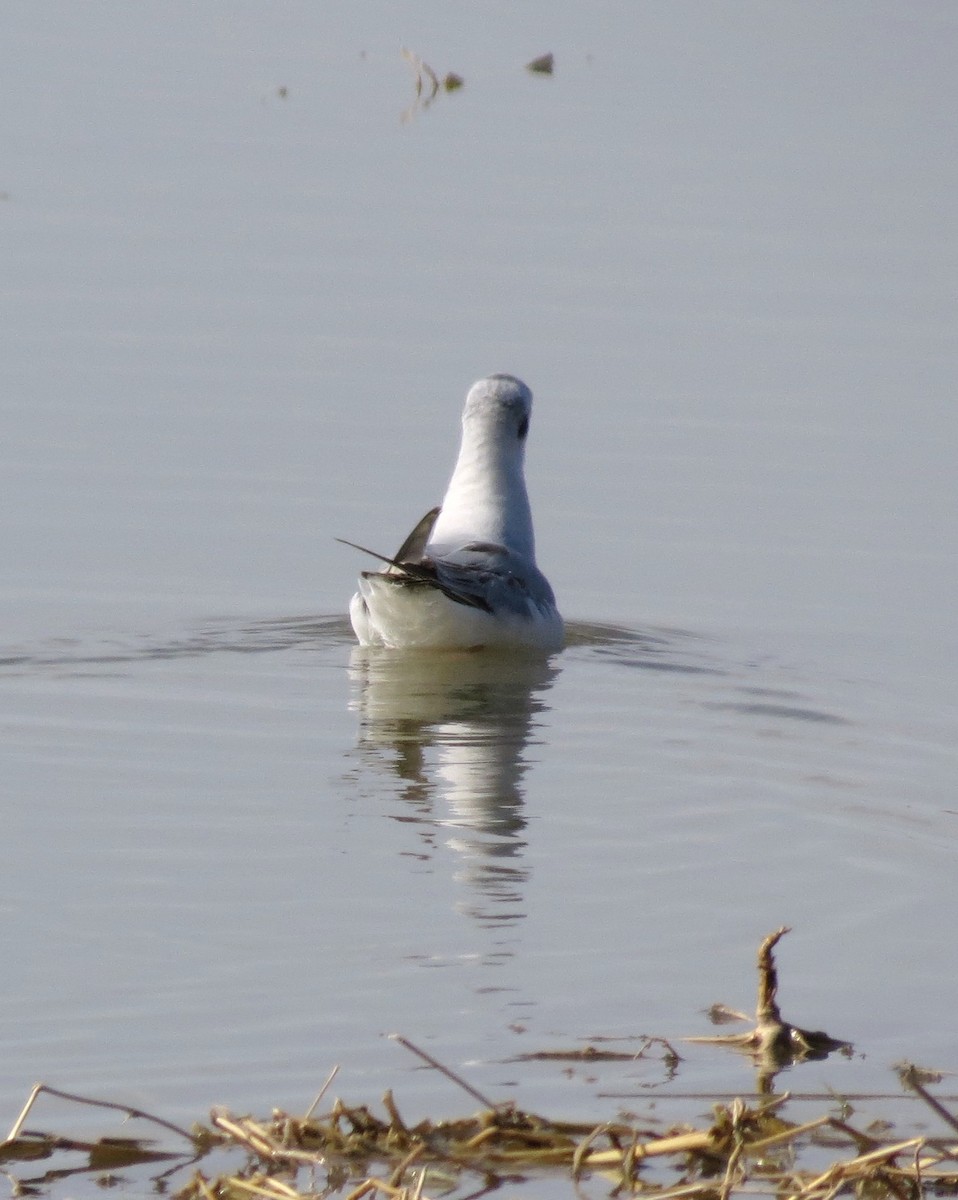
(466, 576)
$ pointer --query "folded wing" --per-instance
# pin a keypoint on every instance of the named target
(479, 575)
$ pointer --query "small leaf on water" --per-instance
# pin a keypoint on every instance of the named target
(121, 1152)
(26, 1148)
(542, 65)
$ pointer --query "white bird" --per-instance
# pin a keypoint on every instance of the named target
(466, 576)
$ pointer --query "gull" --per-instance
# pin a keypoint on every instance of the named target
(466, 576)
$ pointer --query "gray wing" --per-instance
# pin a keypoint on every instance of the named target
(494, 582)
(478, 575)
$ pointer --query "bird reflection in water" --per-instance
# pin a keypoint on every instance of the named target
(455, 729)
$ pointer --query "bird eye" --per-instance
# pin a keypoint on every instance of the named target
(523, 428)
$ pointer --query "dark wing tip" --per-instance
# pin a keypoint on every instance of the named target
(414, 547)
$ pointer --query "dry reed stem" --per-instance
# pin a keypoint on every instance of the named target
(760, 1145)
(263, 1185)
(204, 1188)
(321, 1093)
(841, 1173)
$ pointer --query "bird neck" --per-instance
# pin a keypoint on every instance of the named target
(486, 500)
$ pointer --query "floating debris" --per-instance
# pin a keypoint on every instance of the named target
(773, 1043)
(350, 1151)
(721, 1014)
(592, 1054)
(428, 83)
(543, 65)
(745, 1147)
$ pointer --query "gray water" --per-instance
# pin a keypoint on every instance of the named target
(248, 276)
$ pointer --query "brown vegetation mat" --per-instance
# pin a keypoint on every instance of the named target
(351, 1152)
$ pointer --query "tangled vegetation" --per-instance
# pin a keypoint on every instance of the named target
(351, 1152)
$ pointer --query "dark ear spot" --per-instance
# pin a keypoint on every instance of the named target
(523, 428)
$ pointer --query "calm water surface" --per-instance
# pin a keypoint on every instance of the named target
(247, 282)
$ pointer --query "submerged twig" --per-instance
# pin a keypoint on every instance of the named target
(908, 1074)
(75, 1099)
(450, 1074)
